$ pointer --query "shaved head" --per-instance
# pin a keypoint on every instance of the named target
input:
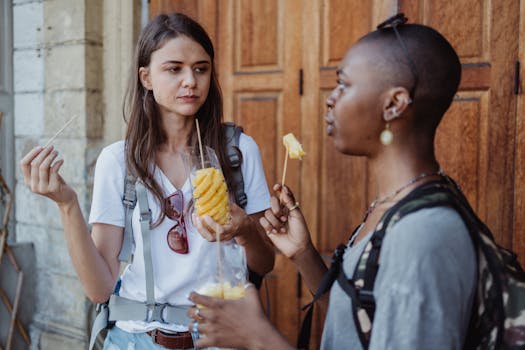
(435, 62)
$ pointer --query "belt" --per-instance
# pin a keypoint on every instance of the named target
(178, 340)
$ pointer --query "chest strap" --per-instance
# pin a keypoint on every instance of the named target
(123, 309)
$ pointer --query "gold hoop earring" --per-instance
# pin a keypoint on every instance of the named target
(386, 136)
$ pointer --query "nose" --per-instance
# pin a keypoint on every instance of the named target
(188, 80)
(332, 98)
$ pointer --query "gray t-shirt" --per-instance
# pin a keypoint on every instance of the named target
(423, 291)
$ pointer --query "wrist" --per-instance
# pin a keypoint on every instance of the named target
(303, 253)
(66, 206)
(246, 231)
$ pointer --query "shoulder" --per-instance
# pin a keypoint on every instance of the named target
(112, 155)
(432, 240)
(115, 150)
(247, 144)
(428, 229)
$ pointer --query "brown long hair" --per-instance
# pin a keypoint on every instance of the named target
(144, 132)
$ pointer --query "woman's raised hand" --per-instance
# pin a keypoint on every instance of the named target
(41, 175)
(209, 228)
(285, 224)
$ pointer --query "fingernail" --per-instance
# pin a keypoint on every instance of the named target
(274, 231)
(283, 230)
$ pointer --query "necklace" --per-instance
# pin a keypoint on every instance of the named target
(381, 200)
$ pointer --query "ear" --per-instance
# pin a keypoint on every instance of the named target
(145, 78)
(396, 101)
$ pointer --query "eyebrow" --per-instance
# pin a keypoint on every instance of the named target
(180, 62)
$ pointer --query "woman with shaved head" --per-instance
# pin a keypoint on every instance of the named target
(393, 87)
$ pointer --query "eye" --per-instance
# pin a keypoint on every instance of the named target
(202, 69)
(174, 69)
(341, 85)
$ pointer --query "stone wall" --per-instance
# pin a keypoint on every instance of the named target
(62, 65)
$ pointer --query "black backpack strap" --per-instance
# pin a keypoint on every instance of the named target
(233, 133)
(361, 288)
(303, 340)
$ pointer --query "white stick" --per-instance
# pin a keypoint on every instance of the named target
(59, 131)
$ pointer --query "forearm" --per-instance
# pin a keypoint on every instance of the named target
(260, 255)
(312, 268)
(267, 337)
(92, 270)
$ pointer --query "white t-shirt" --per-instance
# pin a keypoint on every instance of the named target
(175, 275)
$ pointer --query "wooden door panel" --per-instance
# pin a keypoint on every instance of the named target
(343, 179)
(204, 11)
(485, 37)
(462, 158)
(257, 40)
(259, 67)
(344, 191)
(343, 23)
(254, 109)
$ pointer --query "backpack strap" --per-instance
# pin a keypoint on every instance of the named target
(303, 340)
(432, 194)
(233, 134)
(145, 222)
(129, 201)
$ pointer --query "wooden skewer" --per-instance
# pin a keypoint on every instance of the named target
(284, 167)
(59, 131)
(200, 141)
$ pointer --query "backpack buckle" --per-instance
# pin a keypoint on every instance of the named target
(145, 216)
(155, 313)
(234, 157)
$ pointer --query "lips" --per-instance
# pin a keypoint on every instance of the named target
(188, 98)
(329, 124)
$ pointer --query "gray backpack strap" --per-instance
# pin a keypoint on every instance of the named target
(145, 221)
(129, 201)
(101, 322)
(233, 133)
(121, 308)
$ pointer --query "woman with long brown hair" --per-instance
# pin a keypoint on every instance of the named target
(173, 82)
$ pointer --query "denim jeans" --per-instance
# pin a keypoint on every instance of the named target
(117, 339)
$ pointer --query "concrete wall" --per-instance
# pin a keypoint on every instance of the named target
(69, 59)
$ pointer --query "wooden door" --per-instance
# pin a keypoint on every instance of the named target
(266, 48)
(258, 52)
(259, 47)
(477, 139)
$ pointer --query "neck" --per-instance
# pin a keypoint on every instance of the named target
(392, 173)
(178, 132)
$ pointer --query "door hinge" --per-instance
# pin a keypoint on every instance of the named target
(517, 78)
(301, 81)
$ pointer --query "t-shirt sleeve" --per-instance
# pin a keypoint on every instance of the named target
(255, 185)
(108, 188)
(425, 283)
